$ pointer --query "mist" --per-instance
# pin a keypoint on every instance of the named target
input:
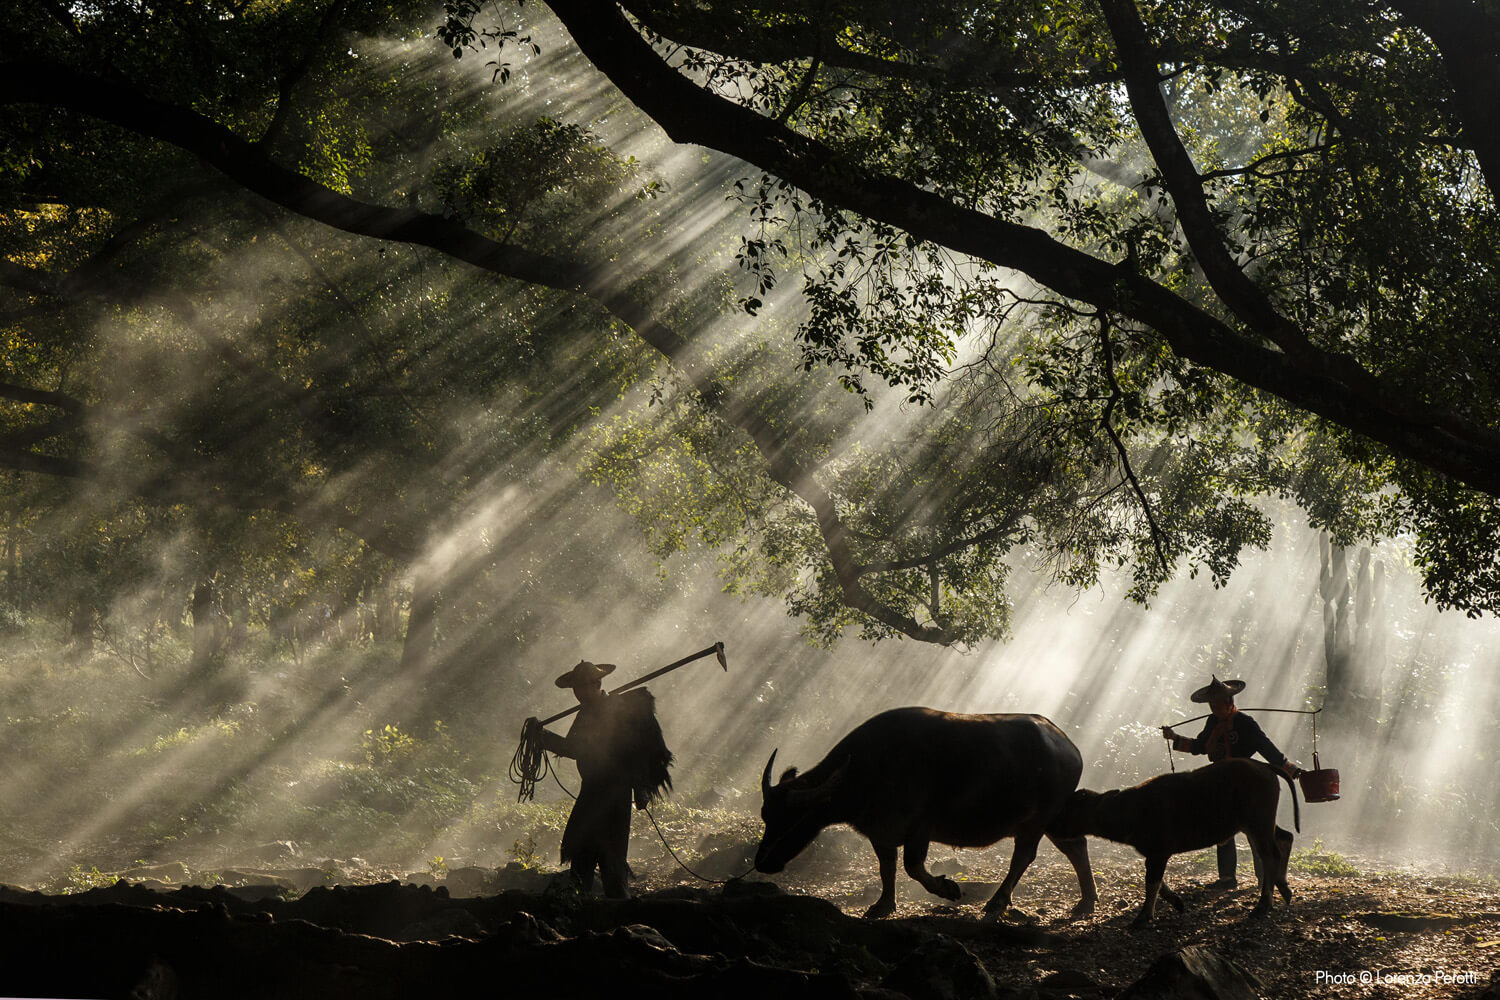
(531, 520)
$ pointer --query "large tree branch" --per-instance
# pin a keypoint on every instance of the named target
(951, 61)
(1468, 36)
(1142, 84)
(57, 86)
(1318, 382)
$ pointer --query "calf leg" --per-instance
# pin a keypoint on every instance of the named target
(914, 856)
(1020, 860)
(1283, 855)
(1156, 867)
(1076, 850)
(1265, 851)
(886, 904)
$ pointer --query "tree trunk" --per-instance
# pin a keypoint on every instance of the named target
(81, 625)
(204, 613)
(239, 619)
(12, 571)
(421, 622)
(1353, 635)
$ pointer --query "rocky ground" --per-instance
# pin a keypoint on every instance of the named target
(282, 922)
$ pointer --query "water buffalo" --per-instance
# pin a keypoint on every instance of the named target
(1172, 813)
(911, 776)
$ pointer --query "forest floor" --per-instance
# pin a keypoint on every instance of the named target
(1352, 930)
(1356, 927)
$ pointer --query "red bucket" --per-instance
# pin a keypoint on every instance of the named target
(1319, 784)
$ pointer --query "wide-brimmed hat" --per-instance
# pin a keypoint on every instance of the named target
(585, 672)
(1217, 690)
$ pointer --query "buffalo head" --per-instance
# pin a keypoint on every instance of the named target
(795, 810)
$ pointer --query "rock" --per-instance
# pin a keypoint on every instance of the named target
(941, 969)
(176, 871)
(304, 878)
(529, 930)
(713, 797)
(741, 889)
(471, 881)
(1194, 973)
(1069, 981)
(1412, 921)
(645, 935)
(833, 851)
(450, 923)
(255, 892)
(232, 876)
(517, 876)
(158, 983)
(976, 892)
(681, 893)
(276, 852)
(727, 861)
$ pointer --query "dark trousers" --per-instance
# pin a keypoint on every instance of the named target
(1228, 860)
(598, 836)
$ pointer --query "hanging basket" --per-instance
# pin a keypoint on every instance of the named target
(1321, 784)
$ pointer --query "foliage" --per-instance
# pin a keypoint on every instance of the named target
(1184, 187)
(288, 417)
(1318, 860)
(79, 879)
(523, 852)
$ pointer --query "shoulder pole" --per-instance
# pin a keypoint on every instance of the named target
(716, 649)
(529, 765)
(1289, 711)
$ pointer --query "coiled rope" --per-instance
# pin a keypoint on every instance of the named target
(529, 764)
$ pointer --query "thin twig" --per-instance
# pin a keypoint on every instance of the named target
(1116, 394)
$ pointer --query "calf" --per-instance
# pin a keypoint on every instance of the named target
(1172, 813)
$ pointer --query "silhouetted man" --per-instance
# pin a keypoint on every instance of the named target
(1228, 733)
(621, 756)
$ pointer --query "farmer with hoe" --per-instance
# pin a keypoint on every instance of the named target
(621, 757)
(1229, 733)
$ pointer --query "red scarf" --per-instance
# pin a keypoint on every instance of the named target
(1221, 732)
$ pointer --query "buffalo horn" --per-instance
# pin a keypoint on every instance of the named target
(765, 778)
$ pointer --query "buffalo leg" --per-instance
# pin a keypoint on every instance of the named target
(914, 856)
(1173, 898)
(1076, 850)
(1156, 869)
(886, 904)
(1020, 860)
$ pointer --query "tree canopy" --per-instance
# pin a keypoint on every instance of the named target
(1298, 197)
(1104, 275)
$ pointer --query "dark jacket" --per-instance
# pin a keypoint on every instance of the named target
(621, 755)
(1239, 736)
